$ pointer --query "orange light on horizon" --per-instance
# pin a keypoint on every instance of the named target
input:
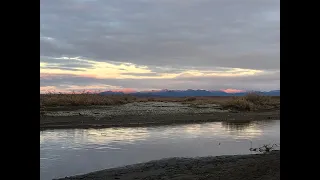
(96, 89)
(232, 90)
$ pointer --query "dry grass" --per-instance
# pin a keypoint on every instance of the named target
(85, 99)
(187, 100)
(252, 102)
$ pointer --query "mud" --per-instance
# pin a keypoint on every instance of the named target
(240, 167)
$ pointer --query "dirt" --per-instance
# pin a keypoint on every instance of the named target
(239, 167)
(144, 114)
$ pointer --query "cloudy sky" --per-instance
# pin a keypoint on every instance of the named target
(159, 44)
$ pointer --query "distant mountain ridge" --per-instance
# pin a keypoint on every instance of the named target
(189, 92)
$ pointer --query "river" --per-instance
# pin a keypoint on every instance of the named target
(78, 151)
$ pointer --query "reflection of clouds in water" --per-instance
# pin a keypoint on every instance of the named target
(237, 126)
(194, 129)
(247, 129)
(249, 133)
(94, 136)
(116, 134)
(190, 130)
(58, 135)
(76, 149)
(216, 130)
(222, 130)
(49, 135)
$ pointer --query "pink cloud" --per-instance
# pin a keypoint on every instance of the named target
(232, 90)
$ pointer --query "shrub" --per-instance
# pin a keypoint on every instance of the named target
(239, 104)
(250, 102)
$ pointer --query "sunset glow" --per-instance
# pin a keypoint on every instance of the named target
(101, 45)
(232, 90)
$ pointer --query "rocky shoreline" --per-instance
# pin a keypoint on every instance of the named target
(145, 114)
(240, 167)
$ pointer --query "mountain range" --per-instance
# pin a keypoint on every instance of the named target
(189, 92)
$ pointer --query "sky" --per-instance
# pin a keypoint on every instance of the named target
(141, 45)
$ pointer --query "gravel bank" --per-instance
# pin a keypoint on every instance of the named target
(139, 108)
(144, 114)
(240, 167)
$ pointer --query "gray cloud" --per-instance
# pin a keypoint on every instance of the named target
(197, 33)
(63, 68)
(64, 63)
(168, 36)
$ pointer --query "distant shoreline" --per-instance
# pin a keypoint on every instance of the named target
(249, 167)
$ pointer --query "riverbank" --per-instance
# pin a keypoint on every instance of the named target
(146, 114)
(240, 167)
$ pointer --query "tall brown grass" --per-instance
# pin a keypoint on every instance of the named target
(252, 102)
(84, 99)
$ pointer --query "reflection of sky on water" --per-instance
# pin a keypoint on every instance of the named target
(250, 129)
(92, 138)
(242, 129)
(116, 135)
(77, 151)
(233, 130)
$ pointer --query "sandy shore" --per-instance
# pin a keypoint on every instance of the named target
(144, 114)
(240, 167)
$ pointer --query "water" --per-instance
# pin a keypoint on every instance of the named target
(78, 151)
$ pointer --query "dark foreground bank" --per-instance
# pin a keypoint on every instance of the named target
(240, 167)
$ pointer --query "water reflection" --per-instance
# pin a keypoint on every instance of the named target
(237, 125)
(75, 151)
(108, 135)
(249, 129)
(98, 136)
(193, 130)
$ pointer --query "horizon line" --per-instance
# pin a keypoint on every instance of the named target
(129, 91)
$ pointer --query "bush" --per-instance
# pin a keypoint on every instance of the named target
(239, 104)
(250, 102)
(257, 99)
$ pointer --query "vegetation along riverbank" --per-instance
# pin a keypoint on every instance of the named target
(95, 111)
